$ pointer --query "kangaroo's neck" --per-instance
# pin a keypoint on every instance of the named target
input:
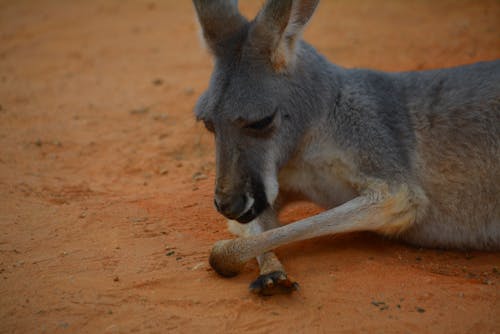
(319, 80)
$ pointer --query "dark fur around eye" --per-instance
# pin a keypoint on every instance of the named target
(261, 124)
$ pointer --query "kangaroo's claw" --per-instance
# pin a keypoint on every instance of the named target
(276, 282)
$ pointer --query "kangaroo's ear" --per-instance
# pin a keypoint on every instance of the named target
(219, 20)
(279, 26)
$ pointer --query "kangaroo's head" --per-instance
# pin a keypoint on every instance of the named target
(253, 100)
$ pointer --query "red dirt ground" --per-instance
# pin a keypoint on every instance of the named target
(106, 180)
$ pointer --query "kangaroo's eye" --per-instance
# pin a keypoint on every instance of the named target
(261, 124)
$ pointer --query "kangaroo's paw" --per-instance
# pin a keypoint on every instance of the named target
(224, 259)
(276, 282)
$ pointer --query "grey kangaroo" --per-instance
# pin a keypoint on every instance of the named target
(413, 156)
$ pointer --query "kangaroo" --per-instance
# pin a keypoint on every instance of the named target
(413, 155)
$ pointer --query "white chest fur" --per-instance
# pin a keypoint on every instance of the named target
(320, 175)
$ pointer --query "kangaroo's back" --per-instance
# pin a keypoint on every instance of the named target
(456, 118)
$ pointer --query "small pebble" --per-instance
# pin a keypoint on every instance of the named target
(63, 325)
(158, 82)
(160, 117)
(139, 111)
(198, 266)
(199, 176)
(138, 219)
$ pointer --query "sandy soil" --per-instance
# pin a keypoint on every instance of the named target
(106, 180)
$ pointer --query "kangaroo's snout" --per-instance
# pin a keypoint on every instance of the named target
(231, 206)
(240, 207)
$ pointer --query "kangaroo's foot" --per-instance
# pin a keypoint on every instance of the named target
(273, 283)
(222, 258)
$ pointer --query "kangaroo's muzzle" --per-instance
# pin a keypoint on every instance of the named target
(231, 206)
(242, 207)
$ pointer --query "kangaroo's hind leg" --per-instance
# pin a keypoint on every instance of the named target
(273, 278)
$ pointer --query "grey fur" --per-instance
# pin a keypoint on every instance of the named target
(339, 133)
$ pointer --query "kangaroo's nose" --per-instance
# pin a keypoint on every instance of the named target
(230, 206)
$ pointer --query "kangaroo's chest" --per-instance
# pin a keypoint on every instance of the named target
(325, 182)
